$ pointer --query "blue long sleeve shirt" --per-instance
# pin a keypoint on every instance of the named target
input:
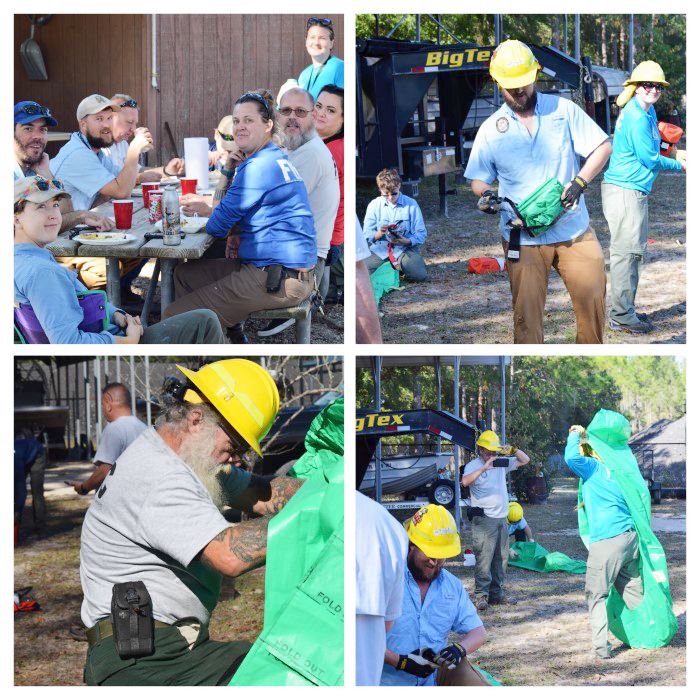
(636, 159)
(268, 200)
(406, 214)
(52, 291)
(608, 515)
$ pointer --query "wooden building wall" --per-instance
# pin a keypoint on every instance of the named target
(203, 63)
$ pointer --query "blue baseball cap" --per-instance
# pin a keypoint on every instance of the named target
(28, 111)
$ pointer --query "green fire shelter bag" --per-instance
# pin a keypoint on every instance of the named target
(535, 557)
(302, 638)
(651, 624)
(384, 279)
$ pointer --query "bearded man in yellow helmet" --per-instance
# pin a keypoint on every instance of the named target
(434, 604)
(636, 161)
(532, 138)
(489, 517)
(155, 530)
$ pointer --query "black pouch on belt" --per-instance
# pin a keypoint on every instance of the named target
(275, 275)
(132, 620)
(471, 512)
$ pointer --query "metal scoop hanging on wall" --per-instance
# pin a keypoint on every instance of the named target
(30, 51)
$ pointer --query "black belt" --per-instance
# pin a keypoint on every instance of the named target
(294, 274)
(103, 629)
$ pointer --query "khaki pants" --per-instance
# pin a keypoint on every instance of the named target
(464, 674)
(581, 265)
(92, 272)
(611, 562)
(231, 290)
(490, 542)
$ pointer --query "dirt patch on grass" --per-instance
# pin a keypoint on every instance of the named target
(545, 638)
(451, 307)
(46, 653)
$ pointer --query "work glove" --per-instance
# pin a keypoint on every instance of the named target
(418, 662)
(572, 192)
(508, 451)
(512, 554)
(488, 202)
(451, 655)
(580, 430)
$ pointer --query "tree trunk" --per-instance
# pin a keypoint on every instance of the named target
(418, 402)
(556, 32)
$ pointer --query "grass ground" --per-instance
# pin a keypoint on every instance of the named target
(46, 650)
(452, 305)
(545, 639)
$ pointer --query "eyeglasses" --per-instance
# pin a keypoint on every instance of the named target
(258, 98)
(42, 185)
(237, 445)
(388, 195)
(652, 86)
(130, 103)
(298, 112)
(225, 137)
(35, 109)
(313, 21)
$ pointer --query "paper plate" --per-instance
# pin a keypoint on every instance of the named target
(111, 239)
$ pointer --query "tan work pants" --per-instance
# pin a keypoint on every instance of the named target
(464, 674)
(231, 289)
(92, 272)
(581, 265)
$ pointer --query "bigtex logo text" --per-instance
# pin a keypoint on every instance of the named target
(454, 59)
(374, 419)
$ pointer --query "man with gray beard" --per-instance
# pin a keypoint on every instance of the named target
(156, 519)
(314, 162)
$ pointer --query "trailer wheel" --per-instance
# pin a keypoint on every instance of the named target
(442, 493)
(656, 496)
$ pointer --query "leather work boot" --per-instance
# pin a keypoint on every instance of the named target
(503, 600)
(236, 334)
(482, 603)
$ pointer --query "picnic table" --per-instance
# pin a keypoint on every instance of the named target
(192, 247)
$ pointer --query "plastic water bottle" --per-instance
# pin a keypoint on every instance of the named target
(171, 216)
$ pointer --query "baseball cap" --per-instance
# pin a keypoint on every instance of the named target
(37, 189)
(28, 111)
(95, 104)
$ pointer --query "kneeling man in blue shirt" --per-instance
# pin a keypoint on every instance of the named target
(613, 555)
(434, 604)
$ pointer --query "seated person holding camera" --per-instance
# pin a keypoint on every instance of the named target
(53, 292)
(394, 229)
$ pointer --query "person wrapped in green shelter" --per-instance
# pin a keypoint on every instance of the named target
(613, 555)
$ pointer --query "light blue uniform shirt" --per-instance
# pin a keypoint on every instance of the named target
(331, 73)
(608, 515)
(446, 608)
(52, 291)
(84, 172)
(520, 525)
(406, 213)
(636, 159)
(504, 150)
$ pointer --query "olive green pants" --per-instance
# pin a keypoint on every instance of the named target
(173, 663)
(611, 562)
(490, 542)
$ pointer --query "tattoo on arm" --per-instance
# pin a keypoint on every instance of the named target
(220, 191)
(283, 488)
(248, 541)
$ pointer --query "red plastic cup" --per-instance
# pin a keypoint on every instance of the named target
(123, 211)
(146, 187)
(189, 185)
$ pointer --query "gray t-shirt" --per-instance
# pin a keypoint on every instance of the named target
(116, 437)
(489, 491)
(148, 521)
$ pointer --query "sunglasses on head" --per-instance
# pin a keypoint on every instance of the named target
(42, 185)
(258, 98)
(317, 21)
(651, 86)
(36, 109)
(225, 137)
(130, 103)
(298, 111)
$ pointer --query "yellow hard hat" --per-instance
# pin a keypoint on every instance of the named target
(645, 72)
(515, 512)
(242, 392)
(489, 441)
(513, 65)
(434, 531)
